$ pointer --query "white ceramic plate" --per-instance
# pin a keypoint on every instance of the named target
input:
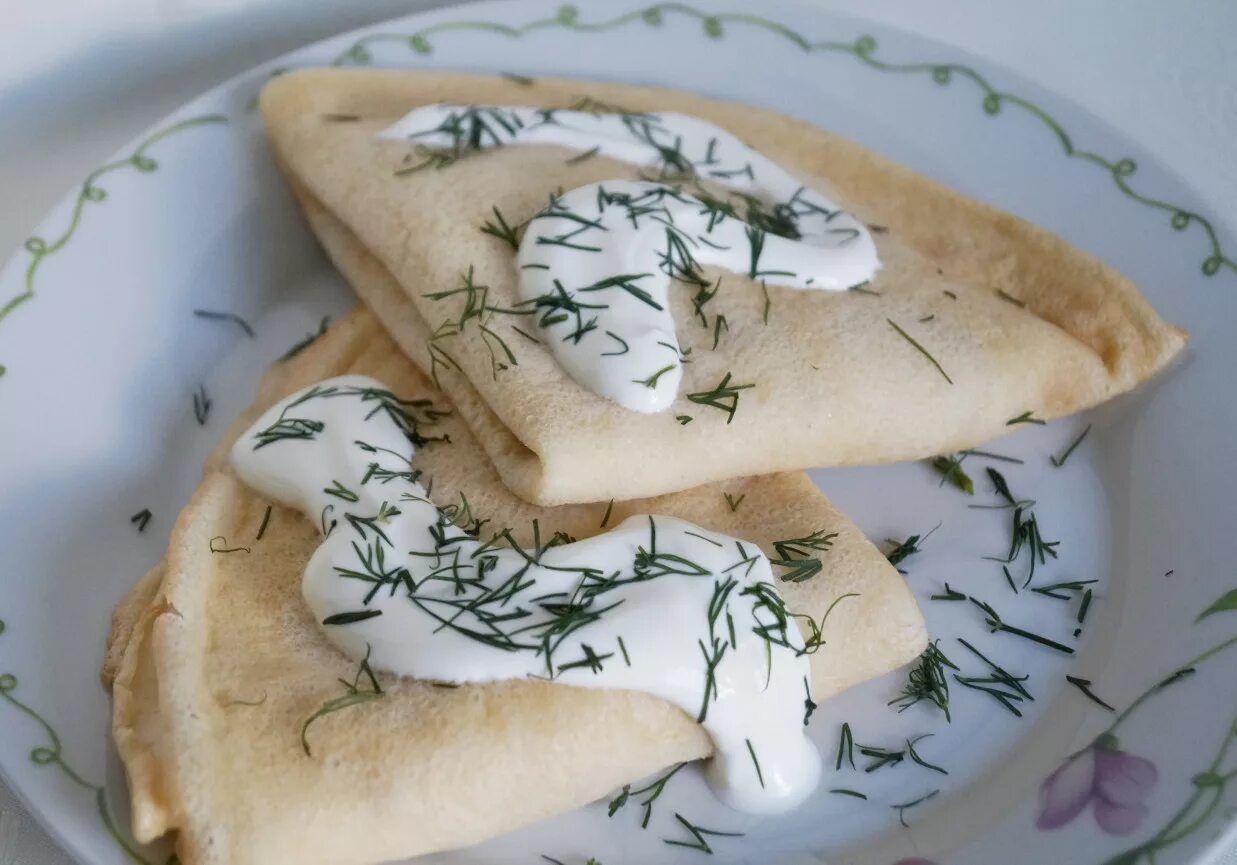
(103, 356)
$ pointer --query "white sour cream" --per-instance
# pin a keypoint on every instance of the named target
(597, 262)
(655, 605)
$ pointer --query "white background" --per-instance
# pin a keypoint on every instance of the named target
(78, 78)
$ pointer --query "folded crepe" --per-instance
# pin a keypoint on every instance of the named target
(216, 665)
(974, 318)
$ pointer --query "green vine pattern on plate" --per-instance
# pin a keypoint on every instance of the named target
(40, 248)
(863, 49)
(52, 754)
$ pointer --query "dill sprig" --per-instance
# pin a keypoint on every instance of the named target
(1084, 685)
(927, 681)
(500, 229)
(266, 518)
(919, 760)
(231, 317)
(843, 791)
(308, 340)
(1025, 532)
(354, 695)
(906, 336)
(996, 625)
(950, 468)
(1025, 417)
(906, 806)
(698, 834)
(795, 555)
(653, 789)
(902, 550)
(1004, 687)
(1060, 461)
(724, 397)
(950, 594)
(141, 519)
(846, 748)
(201, 405)
(476, 307)
(732, 502)
(219, 544)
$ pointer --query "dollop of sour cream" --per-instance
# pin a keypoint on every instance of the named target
(656, 604)
(597, 262)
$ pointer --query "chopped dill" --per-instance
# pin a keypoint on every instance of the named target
(846, 748)
(915, 757)
(605, 518)
(654, 789)
(1060, 461)
(1025, 417)
(683, 419)
(1084, 685)
(755, 762)
(906, 806)
(266, 518)
(698, 834)
(842, 791)
(926, 681)
(354, 695)
(1009, 298)
(583, 156)
(308, 340)
(902, 550)
(201, 405)
(724, 397)
(501, 230)
(225, 548)
(734, 502)
(1004, 687)
(141, 519)
(651, 381)
(226, 316)
(920, 349)
(950, 594)
(950, 469)
(996, 625)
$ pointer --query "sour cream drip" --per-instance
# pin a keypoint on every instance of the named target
(597, 262)
(649, 606)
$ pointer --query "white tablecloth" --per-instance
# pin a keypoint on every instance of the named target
(1162, 73)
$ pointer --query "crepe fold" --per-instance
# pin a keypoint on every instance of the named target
(1016, 318)
(216, 664)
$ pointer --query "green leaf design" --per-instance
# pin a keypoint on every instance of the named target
(1227, 603)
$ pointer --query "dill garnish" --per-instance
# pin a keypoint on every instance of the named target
(1084, 685)
(733, 502)
(1004, 687)
(698, 841)
(606, 516)
(881, 757)
(905, 549)
(341, 118)
(976, 452)
(476, 307)
(350, 618)
(842, 791)
(809, 705)
(522, 80)
(225, 548)
(226, 316)
(755, 762)
(846, 748)
(620, 341)
(914, 755)
(201, 405)
(795, 554)
(768, 302)
(950, 594)
(683, 419)
(1024, 532)
(724, 397)
(583, 156)
(905, 806)
(651, 381)
(862, 288)
(996, 624)
(1025, 417)
(654, 789)
(926, 681)
(307, 341)
(719, 324)
(1055, 590)
(1060, 461)
(501, 230)
(141, 518)
(950, 468)
(266, 518)
(1009, 298)
(920, 349)
(354, 696)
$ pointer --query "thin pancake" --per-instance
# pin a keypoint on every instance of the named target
(1018, 319)
(225, 665)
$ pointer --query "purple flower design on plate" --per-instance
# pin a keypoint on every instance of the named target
(1112, 781)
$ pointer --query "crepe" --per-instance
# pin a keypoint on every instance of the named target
(221, 663)
(1019, 320)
